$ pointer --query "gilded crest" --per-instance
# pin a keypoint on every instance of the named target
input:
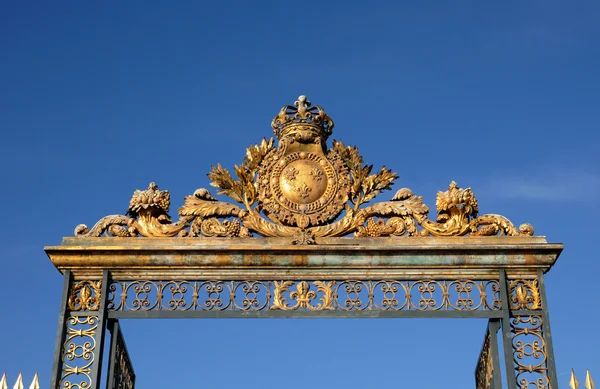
(301, 184)
(299, 188)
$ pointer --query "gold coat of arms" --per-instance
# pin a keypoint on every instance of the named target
(302, 189)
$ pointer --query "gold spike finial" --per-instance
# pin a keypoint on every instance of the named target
(19, 383)
(35, 384)
(3, 384)
(589, 383)
(573, 383)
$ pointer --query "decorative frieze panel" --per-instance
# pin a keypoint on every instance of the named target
(339, 295)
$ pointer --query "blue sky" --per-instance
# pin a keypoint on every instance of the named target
(100, 99)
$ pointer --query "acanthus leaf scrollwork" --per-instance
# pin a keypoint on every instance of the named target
(85, 296)
(303, 296)
(299, 189)
(525, 294)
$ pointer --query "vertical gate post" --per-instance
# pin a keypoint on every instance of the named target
(80, 338)
(97, 366)
(113, 327)
(550, 362)
(506, 333)
(526, 330)
(493, 328)
(60, 336)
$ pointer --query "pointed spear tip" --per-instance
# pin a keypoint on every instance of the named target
(35, 384)
(19, 383)
(589, 383)
(573, 381)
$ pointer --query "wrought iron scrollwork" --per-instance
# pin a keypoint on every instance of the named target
(123, 376)
(84, 296)
(343, 295)
(529, 352)
(79, 352)
(525, 294)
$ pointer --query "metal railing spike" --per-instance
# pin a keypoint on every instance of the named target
(589, 383)
(573, 383)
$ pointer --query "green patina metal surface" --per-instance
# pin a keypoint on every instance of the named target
(171, 255)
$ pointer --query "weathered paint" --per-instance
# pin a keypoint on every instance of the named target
(330, 258)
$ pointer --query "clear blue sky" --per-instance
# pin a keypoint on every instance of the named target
(98, 100)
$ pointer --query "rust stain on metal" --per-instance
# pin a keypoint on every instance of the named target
(299, 260)
(332, 258)
(222, 259)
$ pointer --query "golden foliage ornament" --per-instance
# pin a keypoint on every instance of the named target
(302, 190)
(85, 296)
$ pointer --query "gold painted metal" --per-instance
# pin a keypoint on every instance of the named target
(529, 352)
(303, 296)
(298, 189)
(85, 296)
(35, 384)
(525, 294)
(574, 384)
(19, 383)
(457, 215)
(485, 366)
(442, 258)
(343, 295)
(78, 352)
(589, 383)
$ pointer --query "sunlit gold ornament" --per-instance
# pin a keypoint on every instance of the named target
(297, 189)
(85, 296)
(301, 185)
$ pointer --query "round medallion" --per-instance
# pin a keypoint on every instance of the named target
(304, 184)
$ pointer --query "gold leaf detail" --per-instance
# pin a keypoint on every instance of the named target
(85, 296)
(299, 185)
(525, 294)
(220, 178)
(304, 190)
(290, 173)
(316, 174)
(303, 296)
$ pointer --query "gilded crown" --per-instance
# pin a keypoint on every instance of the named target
(302, 122)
